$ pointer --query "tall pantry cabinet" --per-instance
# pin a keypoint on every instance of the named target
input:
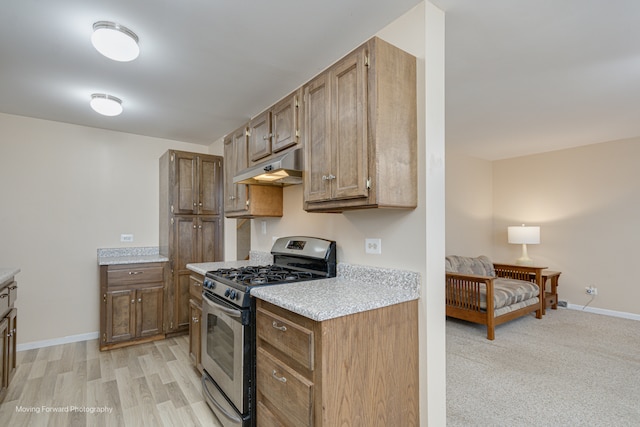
(191, 224)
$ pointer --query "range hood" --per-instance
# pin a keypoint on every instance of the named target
(281, 171)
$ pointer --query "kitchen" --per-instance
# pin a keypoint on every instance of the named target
(77, 195)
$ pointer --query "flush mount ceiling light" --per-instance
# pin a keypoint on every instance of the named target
(115, 41)
(106, 105)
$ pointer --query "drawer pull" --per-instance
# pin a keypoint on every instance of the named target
(195, 319)
(133, 273)
(274, 374)
(280, 328)
(13, 287)
(7, 296)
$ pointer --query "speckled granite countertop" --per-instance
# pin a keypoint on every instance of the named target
(7, 273)
(111, 256)
(356, 288)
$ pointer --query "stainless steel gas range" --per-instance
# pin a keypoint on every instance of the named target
(228, 322)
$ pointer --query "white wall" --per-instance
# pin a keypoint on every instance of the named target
(65, 191)
(587, 203)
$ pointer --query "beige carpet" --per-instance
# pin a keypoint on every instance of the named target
(570, 368)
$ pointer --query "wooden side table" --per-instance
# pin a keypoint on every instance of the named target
(550, 298)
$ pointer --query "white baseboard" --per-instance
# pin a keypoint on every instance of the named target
(57, 341)
(603, 311)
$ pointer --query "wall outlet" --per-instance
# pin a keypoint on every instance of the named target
(373, 246)
(563, 303)
(591, 290)
(128, 238)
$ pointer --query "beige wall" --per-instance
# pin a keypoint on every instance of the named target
(469, 205)
(587, 202)
(66, 191)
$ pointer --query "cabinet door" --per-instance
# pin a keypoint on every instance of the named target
(12, 339)
(260, 136)
(185, 187)
(121, 315)
(209, 184)
(4, 331)
(241, 162)
(349, 131)
(284, 119)
(209, 239)
(195, 345)
(149, 311)
(317, 128)
(181, 301)
(235, 160)
(186, 245)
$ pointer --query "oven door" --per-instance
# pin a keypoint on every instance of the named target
(223, 353)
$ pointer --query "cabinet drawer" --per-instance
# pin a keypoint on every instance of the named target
(195, 288)
(4, 302)
(287, 391)
(265, 418)
(13, 293)
(290, 338)
(133, 274)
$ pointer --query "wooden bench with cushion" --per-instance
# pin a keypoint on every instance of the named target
(480, 291)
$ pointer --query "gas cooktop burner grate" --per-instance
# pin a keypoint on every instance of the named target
(264, 275)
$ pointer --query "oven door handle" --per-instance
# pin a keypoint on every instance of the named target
(215, 402)
(231, 312)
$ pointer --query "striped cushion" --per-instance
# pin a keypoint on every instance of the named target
(481, 265)
(510, 291)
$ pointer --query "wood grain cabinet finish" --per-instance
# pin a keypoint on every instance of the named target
(241, 200)
(131, 309)
(275, 130)
(8, 334)
(191, 225)
(360, 131)
(360, 367)
(195, 333)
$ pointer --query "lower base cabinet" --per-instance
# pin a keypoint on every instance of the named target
(195, 331)
(360, 369)
(8, 331)
(131, 309)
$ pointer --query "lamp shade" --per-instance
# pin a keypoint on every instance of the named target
(524, 234)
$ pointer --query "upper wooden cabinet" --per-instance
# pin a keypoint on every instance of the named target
(241, 200)
(275, 130)
(194, 178)
(235, 154)
(360, 131)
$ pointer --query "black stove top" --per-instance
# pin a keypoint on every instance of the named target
(262, 275)
(296, 259)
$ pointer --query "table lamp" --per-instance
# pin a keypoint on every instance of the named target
(523, 235)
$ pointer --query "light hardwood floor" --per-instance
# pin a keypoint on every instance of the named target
(151, 384)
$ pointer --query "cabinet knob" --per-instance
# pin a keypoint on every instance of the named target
(195, 319)
(133, 301)
(200, 204)
(140, 299)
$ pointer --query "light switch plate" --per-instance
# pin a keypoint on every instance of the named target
(373, 246)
